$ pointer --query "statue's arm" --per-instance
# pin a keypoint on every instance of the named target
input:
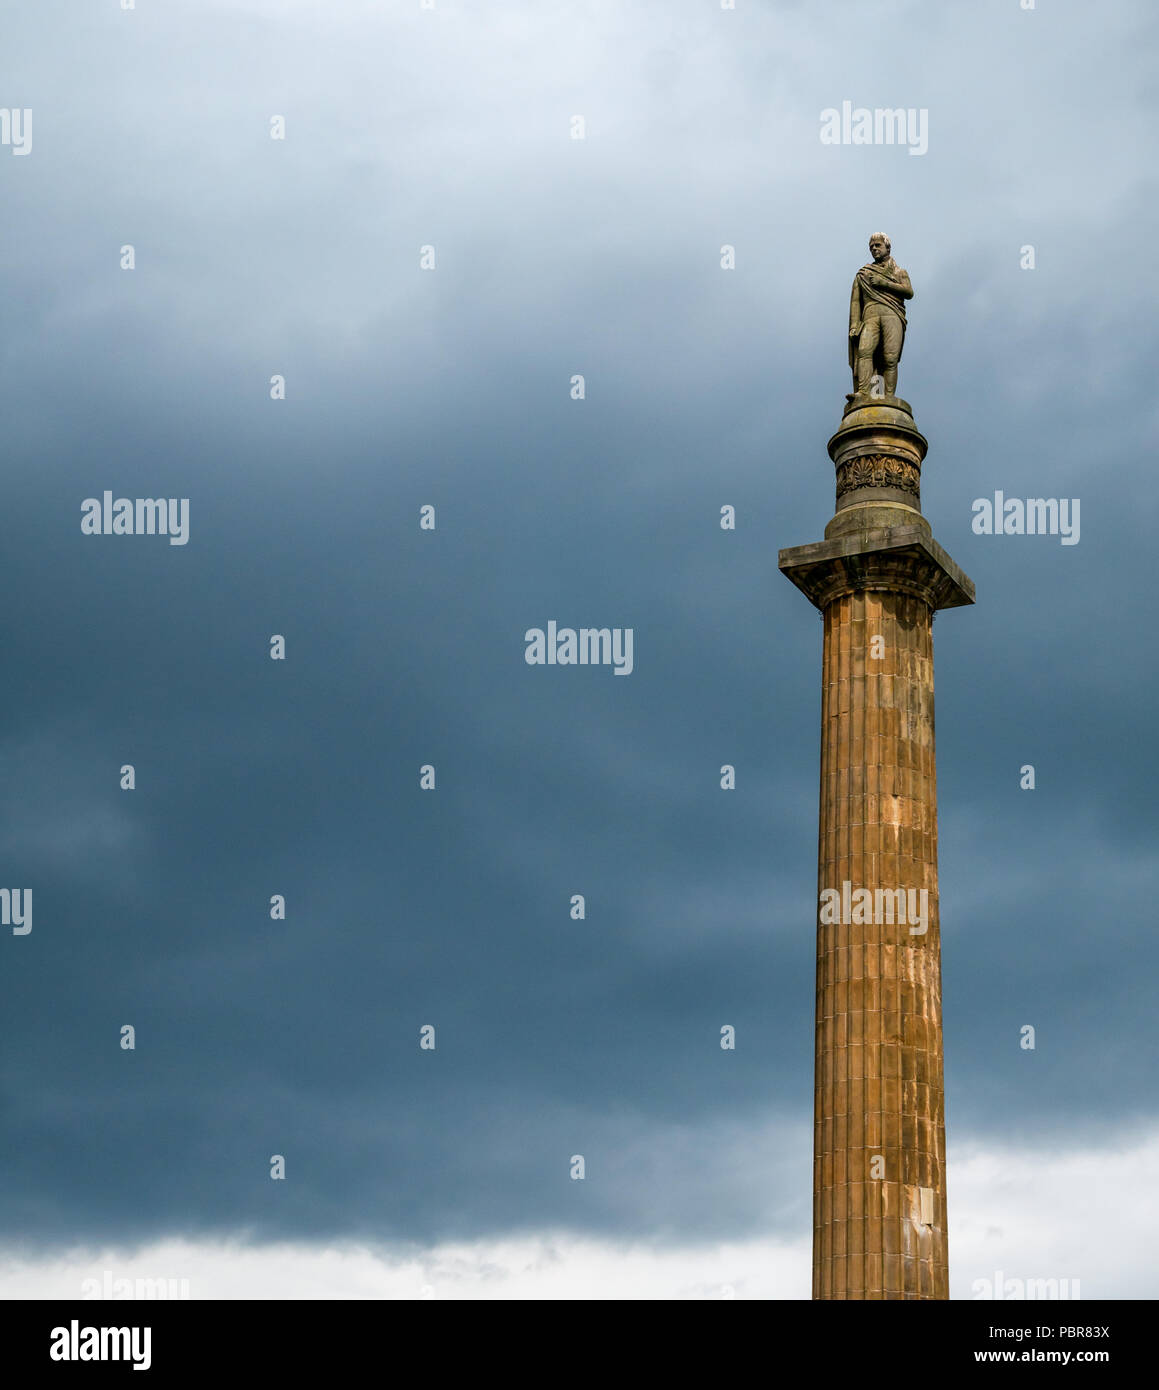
(896, 282)
(901, 286)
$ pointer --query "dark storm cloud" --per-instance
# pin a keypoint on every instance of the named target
(554, 1037)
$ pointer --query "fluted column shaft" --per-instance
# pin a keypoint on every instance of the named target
(879, 1108)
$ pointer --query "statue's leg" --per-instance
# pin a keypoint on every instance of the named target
(866, 347)
(890, 351)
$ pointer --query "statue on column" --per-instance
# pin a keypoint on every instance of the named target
(877, 320)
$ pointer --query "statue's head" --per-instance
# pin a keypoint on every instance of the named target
(879, 246)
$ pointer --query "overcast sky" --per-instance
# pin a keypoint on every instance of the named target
(254, 257)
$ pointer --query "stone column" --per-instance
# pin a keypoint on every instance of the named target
(879, 1159)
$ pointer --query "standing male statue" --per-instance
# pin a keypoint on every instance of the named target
(877, 319)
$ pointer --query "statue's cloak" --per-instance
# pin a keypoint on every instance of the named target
(864, 293)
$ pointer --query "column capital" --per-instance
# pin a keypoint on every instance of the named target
(900, 559)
